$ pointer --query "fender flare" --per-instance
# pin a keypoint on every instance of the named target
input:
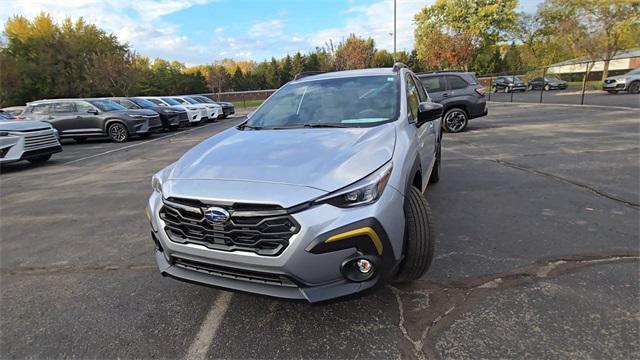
(415, 168)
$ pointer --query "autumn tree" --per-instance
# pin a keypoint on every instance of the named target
(598, 28)
(354, 53)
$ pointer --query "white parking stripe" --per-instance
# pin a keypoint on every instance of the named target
(200, 345)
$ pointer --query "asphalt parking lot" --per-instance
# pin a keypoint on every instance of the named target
(537, 255)
(571, 96)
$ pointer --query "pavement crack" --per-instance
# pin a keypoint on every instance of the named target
(566, 181)
(61, 269)
(417, 344)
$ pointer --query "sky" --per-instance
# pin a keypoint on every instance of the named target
(201, 31)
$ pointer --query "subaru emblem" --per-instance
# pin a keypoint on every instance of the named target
(216, 215)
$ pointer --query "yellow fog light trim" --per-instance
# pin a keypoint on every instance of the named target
(375, 239)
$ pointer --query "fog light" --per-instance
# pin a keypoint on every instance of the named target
(364, 266)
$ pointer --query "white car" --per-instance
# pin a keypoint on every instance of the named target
(195, 114)
(217, 112)
(15, 111)
(34, 141)
(213, 110)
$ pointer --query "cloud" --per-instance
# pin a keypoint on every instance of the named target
(271, 28)
(376, 21)
(138, 22)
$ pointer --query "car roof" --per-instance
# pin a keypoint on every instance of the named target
(347, 73)
(436, 73)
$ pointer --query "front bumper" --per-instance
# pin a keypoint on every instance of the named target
(146, 125)
(24, 146)
(616, 85)
(307, 269)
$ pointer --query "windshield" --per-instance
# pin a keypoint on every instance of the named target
(170, 101)
(352, 101)
(190, 100)
(634, 72)
(551, 78)
(5, 116)
(205, 99)
(181, 101)
(107, 105)
(144, 103)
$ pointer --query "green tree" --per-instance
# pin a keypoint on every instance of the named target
(354, 53)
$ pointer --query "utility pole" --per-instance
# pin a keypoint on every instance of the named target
(394, 30)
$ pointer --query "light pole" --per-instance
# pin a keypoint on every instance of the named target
(394, 30)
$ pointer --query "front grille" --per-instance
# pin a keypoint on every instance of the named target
(609, 81)
(40, 140)
(261, 229)
(183, 116)
(236, 274)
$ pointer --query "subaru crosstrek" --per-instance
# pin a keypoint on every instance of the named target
(318, 195)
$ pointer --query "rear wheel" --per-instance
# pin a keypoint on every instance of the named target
(40, 159)
(419, 241)
(118, 132)
(455, 120)
(634, 87)
(547, 87)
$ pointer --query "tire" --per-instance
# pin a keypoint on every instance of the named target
(435, 173)
(612, 91)
(455, 120)
(117, 132)
(80, 139)
(495, 89)
(419, 240)
(634, 87)
(547, 87)
(40, 159)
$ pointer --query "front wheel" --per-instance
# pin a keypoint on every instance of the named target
(530, 87)
(118, 132)
(634, 87)
(419, 241)
(40, 159)
(547, 87)
(455, 120)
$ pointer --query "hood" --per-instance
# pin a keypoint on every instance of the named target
(23, 125)
(617, 77)
(323, 159)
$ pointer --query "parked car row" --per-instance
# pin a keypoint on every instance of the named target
(513, 83)
(32, 132)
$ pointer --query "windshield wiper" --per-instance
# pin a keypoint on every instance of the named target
(324, 125)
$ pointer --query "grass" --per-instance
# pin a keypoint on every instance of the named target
(591, 85)
(247, 104)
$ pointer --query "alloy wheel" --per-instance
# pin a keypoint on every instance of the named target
(117, 133)
(455, 120)
(634, 88)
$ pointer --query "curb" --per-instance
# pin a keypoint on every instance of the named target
(569, 105)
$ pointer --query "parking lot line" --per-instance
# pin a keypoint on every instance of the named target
(209, 327)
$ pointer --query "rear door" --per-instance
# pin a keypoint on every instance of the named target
(63, 116)
(435, 86)
(87, 122)
(456, 88)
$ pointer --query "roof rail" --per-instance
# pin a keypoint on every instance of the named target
(443, 71)
(397, 66)
(307, 73)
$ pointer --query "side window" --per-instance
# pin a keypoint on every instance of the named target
(413, 99)
(64, 107)
(433, 83)
(127, 103)
(41, 109)
(455, 82)
(83, 107)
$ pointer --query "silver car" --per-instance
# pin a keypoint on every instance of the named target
(34, 141)
(629, 82)
(318, 195)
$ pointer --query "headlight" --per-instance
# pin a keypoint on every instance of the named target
(137, 116)
(362, 192)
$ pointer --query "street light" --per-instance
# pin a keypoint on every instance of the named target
(394, 30)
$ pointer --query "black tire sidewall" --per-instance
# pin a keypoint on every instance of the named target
(418, 240)
(121, 125)
(466, 121)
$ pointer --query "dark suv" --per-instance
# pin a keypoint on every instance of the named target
(172, 117)
(83, 118)
(461, 95)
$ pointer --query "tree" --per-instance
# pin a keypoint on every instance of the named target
(382, 58)
(297, 65)
(599, 28)
(450, 33)
(354, 53)
(217, 77)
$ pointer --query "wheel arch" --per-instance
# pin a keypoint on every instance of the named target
(110, 121)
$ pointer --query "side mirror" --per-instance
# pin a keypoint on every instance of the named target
(429, 111)
(93, 111)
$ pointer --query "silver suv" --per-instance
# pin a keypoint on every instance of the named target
(318, 195)
(629, 82)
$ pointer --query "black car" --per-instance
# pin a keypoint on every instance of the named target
(461, 95)
(508, 84)
(547, 83)
(227, 107)
(83, 118)
(172, 117)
